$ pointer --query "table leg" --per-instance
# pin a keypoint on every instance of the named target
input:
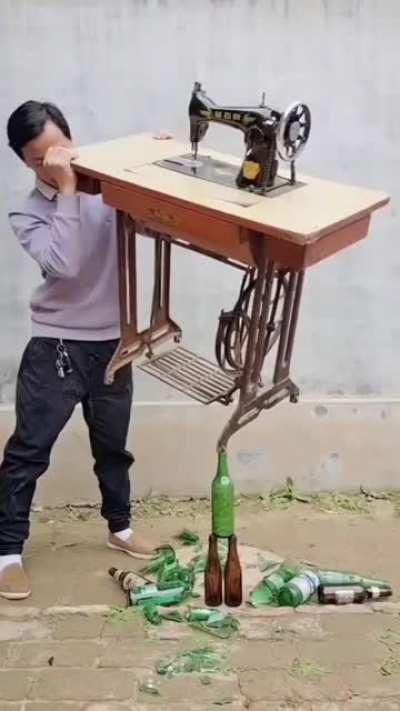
(137, 345)
(272, 285)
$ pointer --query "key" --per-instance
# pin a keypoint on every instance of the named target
(67, 362)
(60, 368)
(63, 362)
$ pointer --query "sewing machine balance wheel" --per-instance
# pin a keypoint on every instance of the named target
(293, 131)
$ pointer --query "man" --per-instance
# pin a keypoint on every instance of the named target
(75, 330)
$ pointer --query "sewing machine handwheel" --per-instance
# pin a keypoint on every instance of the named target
(293, 131)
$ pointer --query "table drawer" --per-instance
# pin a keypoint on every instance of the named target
(199, 228)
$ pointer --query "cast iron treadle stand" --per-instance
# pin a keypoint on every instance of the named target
(270, 320)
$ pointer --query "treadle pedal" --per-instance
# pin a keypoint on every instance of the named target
(191, 374)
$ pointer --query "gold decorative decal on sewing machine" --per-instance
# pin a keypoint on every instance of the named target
(250, 169)
(163, 217)
(247, 119)
(227, 116)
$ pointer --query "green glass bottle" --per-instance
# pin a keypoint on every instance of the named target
(298, 590)
(222, 499)
(266, 592)
(335, 577)
(152, 593)
(380, 584)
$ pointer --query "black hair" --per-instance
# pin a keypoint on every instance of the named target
(28, 121)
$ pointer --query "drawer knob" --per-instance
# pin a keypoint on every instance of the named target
(164, 217)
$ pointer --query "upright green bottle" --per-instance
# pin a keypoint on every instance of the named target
(222, 499)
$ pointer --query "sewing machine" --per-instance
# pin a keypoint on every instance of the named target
(271, 238)
(268, 133)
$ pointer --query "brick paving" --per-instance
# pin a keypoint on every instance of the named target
(66, 658)
(60, 652)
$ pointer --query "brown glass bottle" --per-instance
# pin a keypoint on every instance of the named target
(233, 576)
(213, 575)
(375, 593)
(127, 579)
(341, 594)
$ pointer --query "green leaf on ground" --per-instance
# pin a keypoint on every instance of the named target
(303, 669)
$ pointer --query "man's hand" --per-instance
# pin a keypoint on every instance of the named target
(57, 164)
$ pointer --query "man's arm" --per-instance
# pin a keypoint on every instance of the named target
(56, 244)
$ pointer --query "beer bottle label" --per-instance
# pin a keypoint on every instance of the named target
(344, 596)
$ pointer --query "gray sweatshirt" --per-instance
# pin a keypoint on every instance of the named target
(73, 240)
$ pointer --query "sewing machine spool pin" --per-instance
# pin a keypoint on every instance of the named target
(292, 172)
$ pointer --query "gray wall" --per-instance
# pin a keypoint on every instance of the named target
(123, 66)
(128, 65)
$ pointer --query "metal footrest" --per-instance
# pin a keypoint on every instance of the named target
(191, 374)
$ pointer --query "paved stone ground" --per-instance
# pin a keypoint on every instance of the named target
(78, 658)
(59, 653)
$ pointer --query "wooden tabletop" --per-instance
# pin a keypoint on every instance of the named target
(302, 213)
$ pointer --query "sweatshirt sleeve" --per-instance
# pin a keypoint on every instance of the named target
(55, 244)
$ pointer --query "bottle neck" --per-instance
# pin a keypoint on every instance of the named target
(223, 468)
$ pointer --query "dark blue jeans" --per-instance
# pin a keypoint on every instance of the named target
(44, 404)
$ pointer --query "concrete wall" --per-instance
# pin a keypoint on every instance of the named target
(128, 65)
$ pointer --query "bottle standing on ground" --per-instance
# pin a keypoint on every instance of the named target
(213, 575)
(233, 576)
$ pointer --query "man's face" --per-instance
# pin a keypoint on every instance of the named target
(35, 151)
